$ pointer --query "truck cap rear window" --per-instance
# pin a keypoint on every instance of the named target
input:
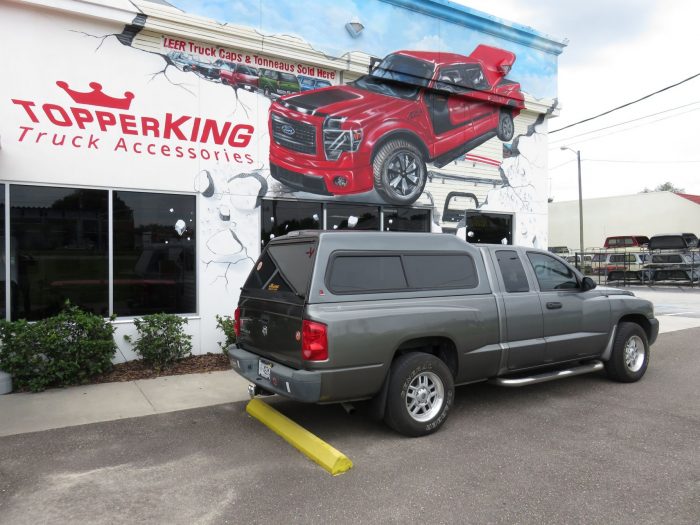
(283, 267)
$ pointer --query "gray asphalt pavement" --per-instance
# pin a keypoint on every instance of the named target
(580, 450)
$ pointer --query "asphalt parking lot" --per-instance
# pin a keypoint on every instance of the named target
(578, 450)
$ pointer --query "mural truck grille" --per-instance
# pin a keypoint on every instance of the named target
(294, 135)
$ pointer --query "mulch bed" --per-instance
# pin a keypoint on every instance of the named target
(195, 364)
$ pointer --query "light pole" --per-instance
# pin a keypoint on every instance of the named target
(580, 201)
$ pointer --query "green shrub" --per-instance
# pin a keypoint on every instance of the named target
(66, 349)
(225, 324)
(161, 339)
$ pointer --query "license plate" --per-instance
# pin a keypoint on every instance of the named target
(264, 368)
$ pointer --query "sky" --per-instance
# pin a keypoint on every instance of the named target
(618, 51)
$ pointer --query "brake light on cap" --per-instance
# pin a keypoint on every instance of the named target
(237, 322)
(314, 341)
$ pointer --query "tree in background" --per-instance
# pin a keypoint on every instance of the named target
(666, 186)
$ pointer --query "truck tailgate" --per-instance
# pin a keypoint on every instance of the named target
(272, 329)
(272, 301)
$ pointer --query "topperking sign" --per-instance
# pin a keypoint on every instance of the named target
(90, 119)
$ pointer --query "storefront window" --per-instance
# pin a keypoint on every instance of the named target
(3, 310)
(282, 217)
(406, 220)
(154, 253)
(351, 217)
(58, 245)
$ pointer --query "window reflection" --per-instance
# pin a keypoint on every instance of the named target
(58, 243)
(406, 220)
(352, 217)
(154, 253)
(282, 217)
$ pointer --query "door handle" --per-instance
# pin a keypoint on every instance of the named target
(553, 306)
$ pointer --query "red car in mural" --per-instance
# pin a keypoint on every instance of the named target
(240, 76)
(380, 130)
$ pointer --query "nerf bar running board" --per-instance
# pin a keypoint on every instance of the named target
(587, 368)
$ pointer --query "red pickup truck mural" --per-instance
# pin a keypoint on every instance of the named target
(380, 130)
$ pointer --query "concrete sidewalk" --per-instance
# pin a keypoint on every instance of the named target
(65, 407)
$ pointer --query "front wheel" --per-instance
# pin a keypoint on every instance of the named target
(506, 127)
(420, 394)
(399, 172)
(630, 354)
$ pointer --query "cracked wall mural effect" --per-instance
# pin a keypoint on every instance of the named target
(197, 120)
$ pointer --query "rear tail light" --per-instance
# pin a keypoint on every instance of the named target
(314, 341)
(237, 322)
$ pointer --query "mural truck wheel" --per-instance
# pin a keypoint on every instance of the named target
(399, 172)
(506, 128)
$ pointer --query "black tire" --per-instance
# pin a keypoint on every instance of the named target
(399, 172)
(627, 364)
(616, 276)
(506, 127)
(415, 379)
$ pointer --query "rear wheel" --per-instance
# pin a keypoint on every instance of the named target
(630, 354)
(399, 172)
(506, 127)
(420, 394)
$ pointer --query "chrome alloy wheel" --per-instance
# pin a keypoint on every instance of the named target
(634, 353)
(425, 397)
(404, 173)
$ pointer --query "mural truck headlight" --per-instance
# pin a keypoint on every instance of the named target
(337, 140)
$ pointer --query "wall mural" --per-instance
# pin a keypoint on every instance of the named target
(384, 135)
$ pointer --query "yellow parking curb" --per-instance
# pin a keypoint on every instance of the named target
(304, 441)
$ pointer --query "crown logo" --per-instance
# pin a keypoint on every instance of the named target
(96, 97)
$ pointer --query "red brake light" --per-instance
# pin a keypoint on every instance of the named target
(314, 341)
(237, 322)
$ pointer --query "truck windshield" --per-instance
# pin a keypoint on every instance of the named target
(398, 76)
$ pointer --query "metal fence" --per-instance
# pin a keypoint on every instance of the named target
(642, 266)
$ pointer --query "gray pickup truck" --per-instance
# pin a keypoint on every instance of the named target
(401, 318)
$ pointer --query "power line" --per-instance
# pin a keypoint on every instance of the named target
(627, 104)
(626, 122)
(628, 129)
(628, 161)
(646, 161)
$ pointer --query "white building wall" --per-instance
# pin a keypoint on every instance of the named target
(640, 214)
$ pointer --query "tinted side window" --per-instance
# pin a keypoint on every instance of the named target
(360, 274)
(552, 274)
(512, 271)
(351, 217)
(440, 271)
(155, 262)
(58, 250)
(282, 217)
(406, 220)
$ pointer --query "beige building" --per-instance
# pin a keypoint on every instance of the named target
(639, 214)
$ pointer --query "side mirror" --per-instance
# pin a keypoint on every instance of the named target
(588, 284)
